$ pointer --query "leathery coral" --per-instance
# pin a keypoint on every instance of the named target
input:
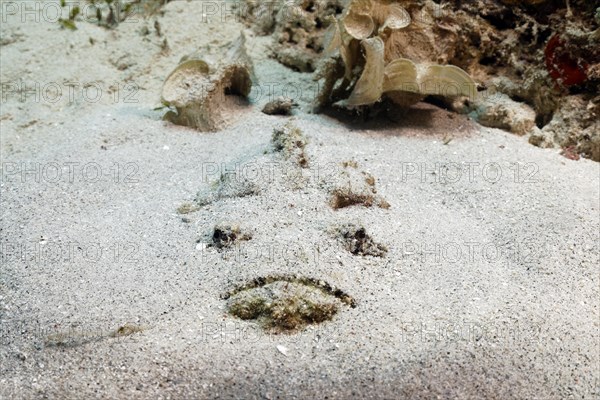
(365, 49)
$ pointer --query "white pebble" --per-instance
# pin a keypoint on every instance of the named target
(282, 349)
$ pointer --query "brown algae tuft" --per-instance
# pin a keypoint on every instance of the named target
(365, 50)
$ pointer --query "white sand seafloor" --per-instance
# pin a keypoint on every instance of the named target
(490, 288)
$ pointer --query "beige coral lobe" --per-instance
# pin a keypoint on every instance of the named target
(371, 24)
(400, 75)
(447, 80)
(359, 26)
(333, 38)
(396, 17)
(369, 87)
(357, 20)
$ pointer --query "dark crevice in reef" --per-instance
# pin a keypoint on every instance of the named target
(541, 120)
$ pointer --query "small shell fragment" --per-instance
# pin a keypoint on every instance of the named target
(282, 349)
(279, 106)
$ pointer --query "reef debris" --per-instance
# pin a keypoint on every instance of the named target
(205, 88)
(297, 28)
(279, 106)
